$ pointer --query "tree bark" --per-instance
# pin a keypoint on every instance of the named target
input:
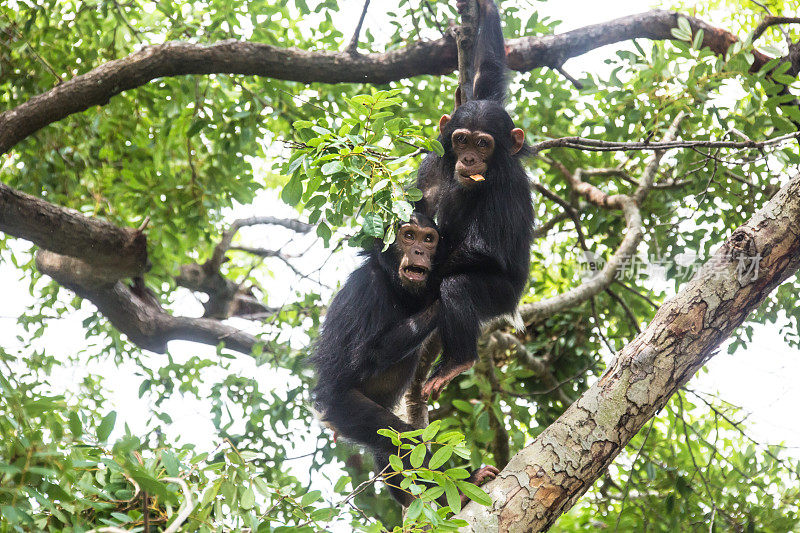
(546, 478)
(116, 252)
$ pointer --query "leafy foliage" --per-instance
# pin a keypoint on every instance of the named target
(192, 152)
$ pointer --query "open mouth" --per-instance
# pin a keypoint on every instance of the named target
(415, 272)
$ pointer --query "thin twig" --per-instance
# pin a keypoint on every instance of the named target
(597, 145)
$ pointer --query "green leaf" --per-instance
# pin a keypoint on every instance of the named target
(457, 473)
(651, 470)
(431, 430)
(75, 425)
(332, 167)
(292, 191)
(474, 493)
(324, 232)
(697, 42)
(170, 463)
(341, 483)
(248, 499)
(683, 24)
(195, 128)
(414, 194)
(418, 455)
(310, 497)
(403, 210)
(396, 462)
(453, 497)
(373, 225)
(415, 509)
(106, 426)
(440, 457)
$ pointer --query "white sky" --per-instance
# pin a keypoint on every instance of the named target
(760, 378)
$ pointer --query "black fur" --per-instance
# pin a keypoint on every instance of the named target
(489, 61)
(367, 352)
(486, 230)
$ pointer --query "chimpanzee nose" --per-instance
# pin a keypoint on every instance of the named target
(418, 251)
(469, 160)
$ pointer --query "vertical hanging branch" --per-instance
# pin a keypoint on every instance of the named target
(465, 41)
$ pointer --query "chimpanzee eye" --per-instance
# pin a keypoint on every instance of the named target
(428, 238)
(409, 235)
(461, 138)
(482, 143)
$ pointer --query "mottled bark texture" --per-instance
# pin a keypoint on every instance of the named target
(546, 478)
(97, 86)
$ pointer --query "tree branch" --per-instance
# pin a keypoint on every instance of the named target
(770, 21)
(465, 41)
(548, 476)
(352, 48)
(436, 57)
(112, 252)
(633, 234)
(139, 316)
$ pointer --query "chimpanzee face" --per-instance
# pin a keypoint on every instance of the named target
(473, 150)
(416, 246)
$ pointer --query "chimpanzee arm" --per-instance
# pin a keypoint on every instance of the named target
(402, 339)
(489, 61)
(358, 418)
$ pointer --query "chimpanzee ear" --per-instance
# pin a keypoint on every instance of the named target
(518, 136)
(443, 122)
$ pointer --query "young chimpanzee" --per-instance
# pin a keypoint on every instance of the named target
(479, 194)
(368, 350)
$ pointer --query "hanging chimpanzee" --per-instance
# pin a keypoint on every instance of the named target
(479, 194)
(368, 350)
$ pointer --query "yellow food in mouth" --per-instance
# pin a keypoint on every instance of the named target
(477, 177)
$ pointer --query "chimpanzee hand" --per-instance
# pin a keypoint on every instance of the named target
(442, 376)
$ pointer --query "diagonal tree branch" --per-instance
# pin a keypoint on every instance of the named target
(437, 57)
(548, 476)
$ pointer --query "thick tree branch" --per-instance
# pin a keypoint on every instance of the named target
(547, 477)
(437, 57)
(139, 316)
(113, 252)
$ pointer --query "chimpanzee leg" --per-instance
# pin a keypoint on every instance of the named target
(466, 300)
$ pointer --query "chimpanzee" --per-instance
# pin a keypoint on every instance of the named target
(478, 192)
(368, 350)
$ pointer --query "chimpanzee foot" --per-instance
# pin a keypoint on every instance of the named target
(439, 380)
